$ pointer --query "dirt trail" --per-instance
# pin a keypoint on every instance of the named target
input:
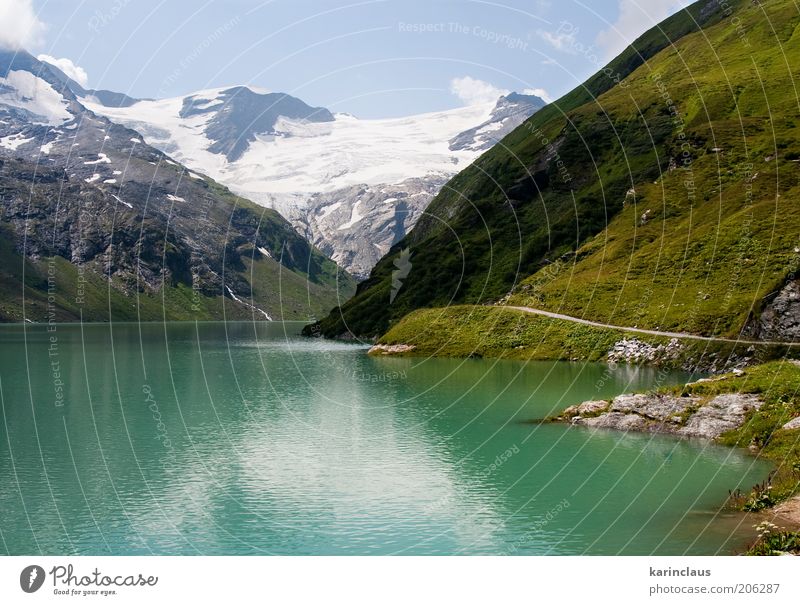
(598, 324)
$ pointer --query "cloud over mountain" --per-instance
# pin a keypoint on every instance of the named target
(75, 72)
(472, 91)
(20, 27)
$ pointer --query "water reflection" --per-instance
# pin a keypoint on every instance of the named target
(243, 439)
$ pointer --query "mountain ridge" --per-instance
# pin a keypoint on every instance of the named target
(304, 160)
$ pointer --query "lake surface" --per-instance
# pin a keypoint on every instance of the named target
(237, 438)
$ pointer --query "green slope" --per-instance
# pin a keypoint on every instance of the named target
(693, 127)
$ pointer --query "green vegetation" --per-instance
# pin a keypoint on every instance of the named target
(773, 540)
(472, 331)
(83, 294)
(496, 331)
(659, 194)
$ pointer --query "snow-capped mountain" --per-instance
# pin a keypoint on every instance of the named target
(80, 194)
(351, 186)
(508, 113)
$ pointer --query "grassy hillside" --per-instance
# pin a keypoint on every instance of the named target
(702, 244)
(647, 196)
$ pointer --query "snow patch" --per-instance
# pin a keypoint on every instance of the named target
(354, 217)
(13, 141)
(175, 198)
(93, 178)
(208, 104)
(327, 210)
(102, 158)
(246, 304)
(310, 157)
(24, 90)
(121, 202)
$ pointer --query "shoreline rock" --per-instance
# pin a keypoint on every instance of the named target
(665, 414)
(390, 349)
(787, 512)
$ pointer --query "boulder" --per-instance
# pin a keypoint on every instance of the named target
(587, 408)
(794, 423)
(592, 407)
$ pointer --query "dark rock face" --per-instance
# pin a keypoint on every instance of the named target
(357, 225)
(780, 317)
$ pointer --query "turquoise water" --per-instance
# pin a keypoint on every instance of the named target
(246, 439)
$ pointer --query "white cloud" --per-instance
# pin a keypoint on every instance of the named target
(635, 18)
(19, 25)
(563, 39)
(75, 72)
(539, 92)
(472, 91)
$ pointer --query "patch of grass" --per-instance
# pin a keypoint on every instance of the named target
(289, 295)
(483, 331)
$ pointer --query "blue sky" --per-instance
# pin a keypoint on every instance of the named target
(375, 58)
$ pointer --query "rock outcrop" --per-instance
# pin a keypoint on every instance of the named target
(390, 349)
(780, 316)
(669, 414)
